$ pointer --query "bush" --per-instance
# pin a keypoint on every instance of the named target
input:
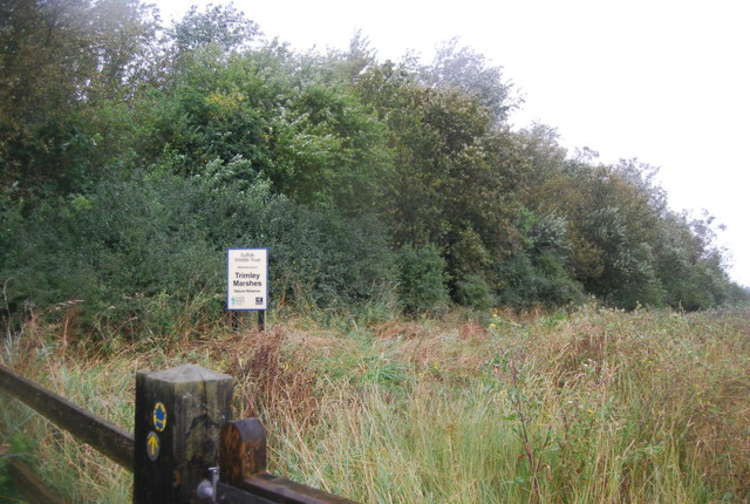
(422, 278)
(524, 281)
(143, 253)
(316, 255)
(473, 291)
(115, 249)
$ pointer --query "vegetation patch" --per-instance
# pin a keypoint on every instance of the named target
(595, 405)
(460, 311)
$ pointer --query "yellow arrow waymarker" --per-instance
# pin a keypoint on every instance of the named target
(152, 446)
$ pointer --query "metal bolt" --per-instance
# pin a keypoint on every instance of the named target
(206, 491)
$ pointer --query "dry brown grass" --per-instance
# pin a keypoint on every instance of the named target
(269, 381)
(596, 406)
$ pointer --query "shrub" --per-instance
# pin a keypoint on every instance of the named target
(473, 291)
(422, 278)
(143, 252)
(525, 281)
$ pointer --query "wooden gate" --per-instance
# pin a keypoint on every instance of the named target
(186, 449)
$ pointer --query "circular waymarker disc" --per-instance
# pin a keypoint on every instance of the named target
(153, 446)
(159, 417)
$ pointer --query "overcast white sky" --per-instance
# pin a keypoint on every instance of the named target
(665, 81)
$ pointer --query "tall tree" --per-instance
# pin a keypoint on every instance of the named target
(465, 70)
(221, 25)
(59, 59)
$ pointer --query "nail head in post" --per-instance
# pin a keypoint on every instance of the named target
(206, 491)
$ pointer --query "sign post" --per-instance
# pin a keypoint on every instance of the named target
(247, 281)
(178, 418)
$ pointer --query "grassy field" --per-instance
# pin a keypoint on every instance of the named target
(590, 406)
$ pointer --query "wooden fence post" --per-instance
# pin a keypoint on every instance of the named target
(178, 415)
(243, 450)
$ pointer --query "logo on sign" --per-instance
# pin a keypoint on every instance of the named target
(159, 417)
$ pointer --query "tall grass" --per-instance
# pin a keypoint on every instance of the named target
(592, 406)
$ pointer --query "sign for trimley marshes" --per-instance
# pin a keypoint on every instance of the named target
(247, 279)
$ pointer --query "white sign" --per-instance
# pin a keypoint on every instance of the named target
(247, 279)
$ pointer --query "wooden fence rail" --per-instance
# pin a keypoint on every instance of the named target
(185, 449)
(108, 439)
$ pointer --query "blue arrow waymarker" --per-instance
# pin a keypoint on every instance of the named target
(160, 417)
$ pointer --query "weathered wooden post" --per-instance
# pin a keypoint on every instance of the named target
(243, 450)
(178, 415)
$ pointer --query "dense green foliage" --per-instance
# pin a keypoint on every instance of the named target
(140, 251)
(422, 282)
(132, 155)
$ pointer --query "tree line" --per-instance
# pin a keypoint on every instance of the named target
(134, 153)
